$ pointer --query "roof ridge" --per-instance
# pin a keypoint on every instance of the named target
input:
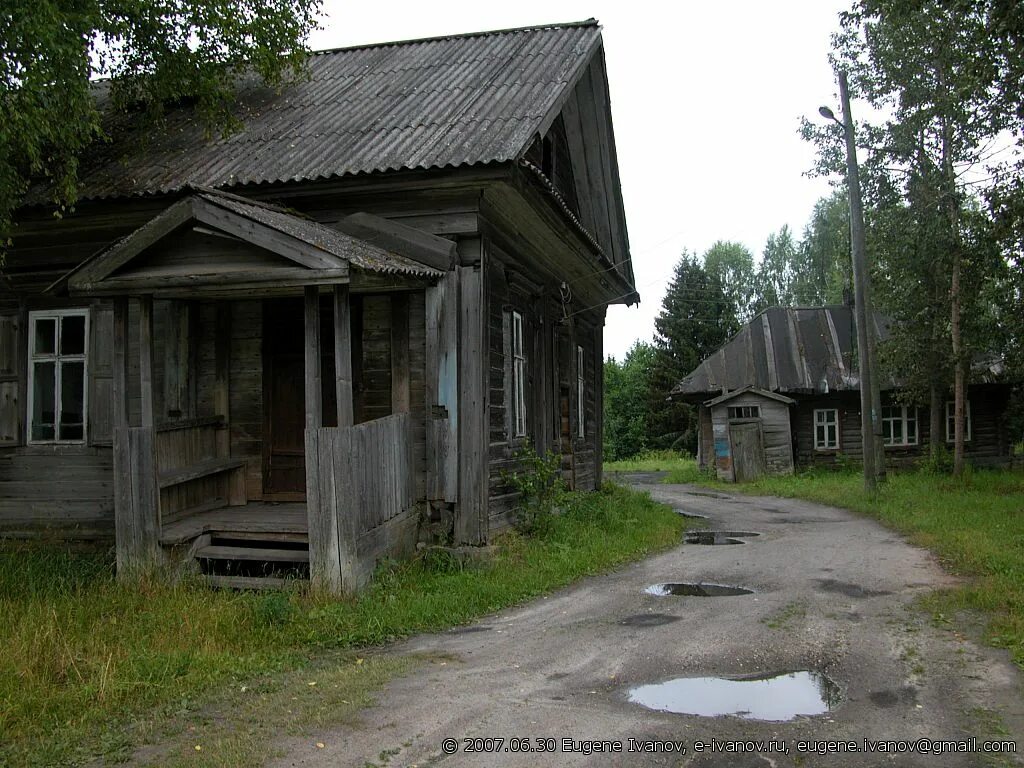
(591, 22)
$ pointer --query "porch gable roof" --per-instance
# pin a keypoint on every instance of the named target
(284, 250)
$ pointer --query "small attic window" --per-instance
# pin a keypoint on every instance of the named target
(744, 412)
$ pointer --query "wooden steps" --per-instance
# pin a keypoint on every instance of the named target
(246, 582)
(259, 554)
(228, 561)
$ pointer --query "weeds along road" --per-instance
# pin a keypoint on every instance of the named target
(833, 595)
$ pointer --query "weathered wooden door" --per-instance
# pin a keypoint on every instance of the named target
(284, 424)
(747, 450)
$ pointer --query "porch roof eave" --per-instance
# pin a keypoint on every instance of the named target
(307, 253)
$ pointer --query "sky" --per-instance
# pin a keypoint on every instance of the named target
(706, 99)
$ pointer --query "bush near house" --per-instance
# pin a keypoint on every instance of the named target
(84, 655)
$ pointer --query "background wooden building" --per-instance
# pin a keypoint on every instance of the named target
(303, 340)
(788, 382)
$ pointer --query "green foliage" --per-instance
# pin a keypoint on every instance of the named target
(775, 273)
(538, 480)
(84, 656)
(626, 418)
(664, 460)
(732, 265)
(156, 54)
(824, 271)
(943, 79)
(696, 318)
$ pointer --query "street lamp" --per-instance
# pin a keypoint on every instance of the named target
(870, 397)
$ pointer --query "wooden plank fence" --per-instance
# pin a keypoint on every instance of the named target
(360, 498)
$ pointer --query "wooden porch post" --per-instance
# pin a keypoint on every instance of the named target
(343, 355)
(399, 353)
(136, 495)
(146, 359)
(222, 377)
(314, 400)
(321, 495)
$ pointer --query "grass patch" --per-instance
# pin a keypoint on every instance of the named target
(84, 656)
(975, 524)
(652, 461)
(243, 725)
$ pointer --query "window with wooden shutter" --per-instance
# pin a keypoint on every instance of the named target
(10, 375)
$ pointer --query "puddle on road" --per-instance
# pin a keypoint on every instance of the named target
(708, 495)
(696, 590)
(716, 537)
(777, 698)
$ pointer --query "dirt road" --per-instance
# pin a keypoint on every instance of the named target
(832, 595)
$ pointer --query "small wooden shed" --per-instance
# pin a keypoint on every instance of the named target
(750, 431)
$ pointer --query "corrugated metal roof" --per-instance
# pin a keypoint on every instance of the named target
(450, 101)
(785, 350)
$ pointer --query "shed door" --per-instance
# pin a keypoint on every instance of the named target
(747, 450)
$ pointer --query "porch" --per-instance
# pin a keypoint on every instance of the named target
(236, 431)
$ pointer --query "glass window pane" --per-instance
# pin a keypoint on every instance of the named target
(72, 396)
(43, 401)
(45, 336)
(72, 335)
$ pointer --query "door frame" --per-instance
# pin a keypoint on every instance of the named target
(267, 442)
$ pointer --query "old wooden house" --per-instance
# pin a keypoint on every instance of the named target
(312, 339)
(784, 393)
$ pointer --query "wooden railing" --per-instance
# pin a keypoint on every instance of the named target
(360, 498)
(168, 472)
(194, 470)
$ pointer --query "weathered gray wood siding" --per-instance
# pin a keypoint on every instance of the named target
(551, 386)
(989, 442)
(775, 428)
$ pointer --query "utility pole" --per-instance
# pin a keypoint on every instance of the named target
(873, 449)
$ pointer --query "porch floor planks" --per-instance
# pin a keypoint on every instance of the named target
(255, 517)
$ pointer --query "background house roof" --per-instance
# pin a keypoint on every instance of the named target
(421, 104)
(785, 350)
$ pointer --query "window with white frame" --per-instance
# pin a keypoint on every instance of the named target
(58, 394)
(518, 377)
(899, 425)
(951, 421)
(580, 431)
(826, 429)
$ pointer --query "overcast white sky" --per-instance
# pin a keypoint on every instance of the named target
(706, 98)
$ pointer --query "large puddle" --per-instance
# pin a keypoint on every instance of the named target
(696, 590)
(717, 537)
(777, 698)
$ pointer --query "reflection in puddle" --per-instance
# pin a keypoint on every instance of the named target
(776, 698)
(717, 537)
(696, 590)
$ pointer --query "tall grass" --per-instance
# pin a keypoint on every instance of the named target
(82, 655)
